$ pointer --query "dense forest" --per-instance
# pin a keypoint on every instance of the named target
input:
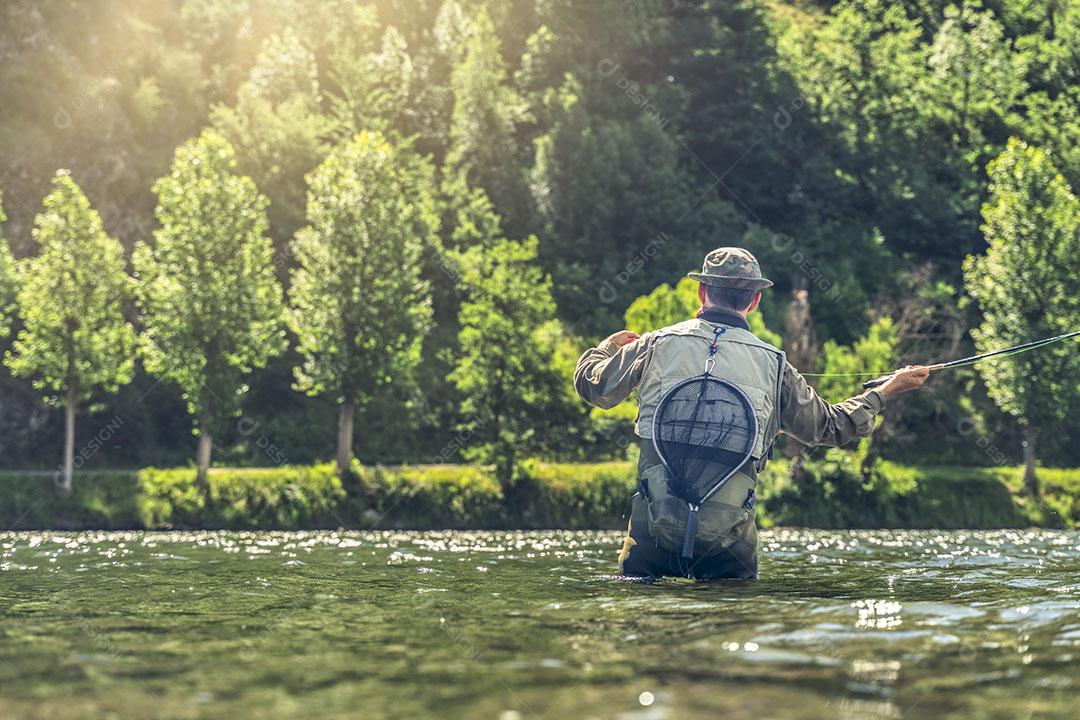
(474, 191)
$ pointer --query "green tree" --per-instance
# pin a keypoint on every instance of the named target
(374, 89)
(360, 308)
(211, 306)
(975, 77)
(875, 352)
(1054, 125)
(278, 129)
(74, 339)
(1027, 287)
(505, 369)
(611, 194)
(862, 106)
(8, 280)
(664, 306)
(483, 144)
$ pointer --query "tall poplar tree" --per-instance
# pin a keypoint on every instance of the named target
(278, 129)
(483, 144)
(360, 308)
(74, 339)
(1028, 286)
(212, 309)
(505, 368)
(975, 77)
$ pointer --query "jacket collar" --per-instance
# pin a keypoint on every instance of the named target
(721, 316)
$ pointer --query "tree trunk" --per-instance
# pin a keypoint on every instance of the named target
(345, 438)
(1031, 482)
(504, 464)
(202, 458)
(799, 341)
(799, 327)
(69, 438)
(517, 491)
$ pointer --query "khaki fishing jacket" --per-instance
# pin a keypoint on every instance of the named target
(784, 402)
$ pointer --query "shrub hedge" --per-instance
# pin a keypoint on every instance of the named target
(828, 493)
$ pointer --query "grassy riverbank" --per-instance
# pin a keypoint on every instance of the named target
(830, 495)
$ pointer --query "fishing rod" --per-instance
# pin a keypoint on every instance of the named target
(1015, 349)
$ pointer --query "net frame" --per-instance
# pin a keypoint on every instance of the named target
(674, 472)
(679, 485)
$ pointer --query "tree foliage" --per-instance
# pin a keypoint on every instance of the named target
(71, 299)
(1025, 284)
(975, 77)
(360, 308)
(483, 147)
(212, 309)
(844, 143)
(876, 352)
(8, 280)
(612, 194)
(277, 128)
(375, 88)
(505, 368)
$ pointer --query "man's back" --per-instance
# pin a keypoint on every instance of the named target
(730, 284)
(680, 351)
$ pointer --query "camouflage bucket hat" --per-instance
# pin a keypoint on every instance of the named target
(731, 267)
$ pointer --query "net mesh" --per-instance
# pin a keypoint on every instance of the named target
(704, 430)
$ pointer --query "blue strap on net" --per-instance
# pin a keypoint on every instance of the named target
(691, 532)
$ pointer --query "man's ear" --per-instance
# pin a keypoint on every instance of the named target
(701, 293)
(754, 304)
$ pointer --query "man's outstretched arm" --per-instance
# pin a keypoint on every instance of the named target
(812, 421)
(607, 373)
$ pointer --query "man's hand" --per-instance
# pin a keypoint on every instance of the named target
(623, 337)
(908, 378)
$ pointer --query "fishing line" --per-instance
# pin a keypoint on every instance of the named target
(962, 362)
(858, 374)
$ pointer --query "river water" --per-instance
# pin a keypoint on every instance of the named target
(533, 625)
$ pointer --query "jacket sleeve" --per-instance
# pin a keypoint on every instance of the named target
(812, 421)
(606, 374)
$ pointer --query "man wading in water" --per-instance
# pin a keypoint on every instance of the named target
(730, 288)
